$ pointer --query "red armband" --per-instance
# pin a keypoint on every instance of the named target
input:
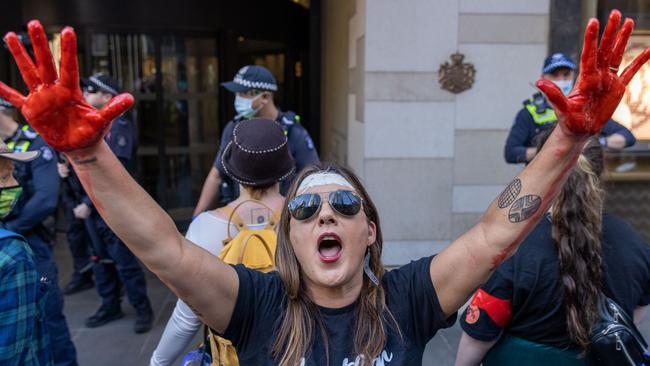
(498, 310)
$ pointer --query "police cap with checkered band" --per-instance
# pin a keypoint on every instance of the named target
(252, 77)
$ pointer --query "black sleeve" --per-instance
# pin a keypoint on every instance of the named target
(623, 247)
(612, 127)
(645, 299)
(257, 308)
(413, 301)
(226, 136)
(518, 138)
(475, 321)
(302, 147)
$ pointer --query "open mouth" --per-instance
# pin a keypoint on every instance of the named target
(329, 247)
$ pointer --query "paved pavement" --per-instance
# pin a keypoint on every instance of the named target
(116, 344)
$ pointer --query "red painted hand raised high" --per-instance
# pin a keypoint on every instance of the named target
(55, 107)
(598, 89)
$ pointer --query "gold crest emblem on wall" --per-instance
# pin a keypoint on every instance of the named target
(458, 76)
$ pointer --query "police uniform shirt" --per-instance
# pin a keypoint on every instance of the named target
(526, 127)
(121, 138)
(73, 192)
(300, 143)
(526, 297)
(39, 179)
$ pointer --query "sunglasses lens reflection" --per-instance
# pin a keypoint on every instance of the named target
(304, 206)
(345, 202)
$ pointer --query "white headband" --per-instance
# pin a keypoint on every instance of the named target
(322, 179)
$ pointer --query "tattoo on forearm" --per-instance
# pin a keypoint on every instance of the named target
(510, 193)
(80, 161)
(524, 208)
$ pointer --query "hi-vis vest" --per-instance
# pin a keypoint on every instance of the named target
(542, 114)
(20, 145)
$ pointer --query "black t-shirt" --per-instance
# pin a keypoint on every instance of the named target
(410, 297)
(530, 279)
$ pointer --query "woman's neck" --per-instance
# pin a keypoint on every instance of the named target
(272, 191)
(336, 297)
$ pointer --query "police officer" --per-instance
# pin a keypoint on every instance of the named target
(537, 115)
(73, 197)
(113, 260)
(253, 87)
(33, 219)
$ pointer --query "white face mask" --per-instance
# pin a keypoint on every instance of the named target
(564, 85)
(244, 106)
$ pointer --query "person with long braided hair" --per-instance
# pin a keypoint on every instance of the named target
(330, 302)
(546, 296)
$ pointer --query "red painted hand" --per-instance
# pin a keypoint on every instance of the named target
(598, 89)
(56, 107)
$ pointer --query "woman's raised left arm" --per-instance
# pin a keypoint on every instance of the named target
(468, 262)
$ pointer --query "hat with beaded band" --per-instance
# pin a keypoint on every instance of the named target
(258, 154)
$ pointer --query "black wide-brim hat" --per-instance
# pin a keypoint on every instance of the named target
(258, 153)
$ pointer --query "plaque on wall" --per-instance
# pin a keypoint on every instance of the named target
(457, 76)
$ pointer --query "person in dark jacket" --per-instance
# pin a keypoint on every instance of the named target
(114, 263)
(24, 339)
(538, 115)
(33, 218)
(73, 197)
(253, 87)
(543, 300)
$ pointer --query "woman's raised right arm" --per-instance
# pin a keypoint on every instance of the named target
(56, 109)
(194, 274)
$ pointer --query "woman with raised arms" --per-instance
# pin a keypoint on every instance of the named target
(330, 302)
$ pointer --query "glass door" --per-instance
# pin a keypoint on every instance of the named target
(191, 130)
(174, 80)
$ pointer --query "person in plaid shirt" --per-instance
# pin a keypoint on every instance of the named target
(23, 335)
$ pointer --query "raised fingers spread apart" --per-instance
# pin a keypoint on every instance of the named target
(116, 106)
(13, 96)
(553, 94)
(618, 50)
(621, 41)
(636, 64)
(69, 66)
(23, 61)
(42, 53)
(44, 71)
(589, 49)
(608, 39)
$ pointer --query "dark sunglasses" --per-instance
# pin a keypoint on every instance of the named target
(305, 206)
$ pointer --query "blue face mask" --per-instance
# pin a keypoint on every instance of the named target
(244, 107)
(564, 85)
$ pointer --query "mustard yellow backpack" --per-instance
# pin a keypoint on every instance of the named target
(254, 248)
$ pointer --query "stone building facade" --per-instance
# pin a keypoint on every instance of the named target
(432, 160)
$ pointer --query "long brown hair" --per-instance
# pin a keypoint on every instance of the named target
(302, 316)
(577, 231)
